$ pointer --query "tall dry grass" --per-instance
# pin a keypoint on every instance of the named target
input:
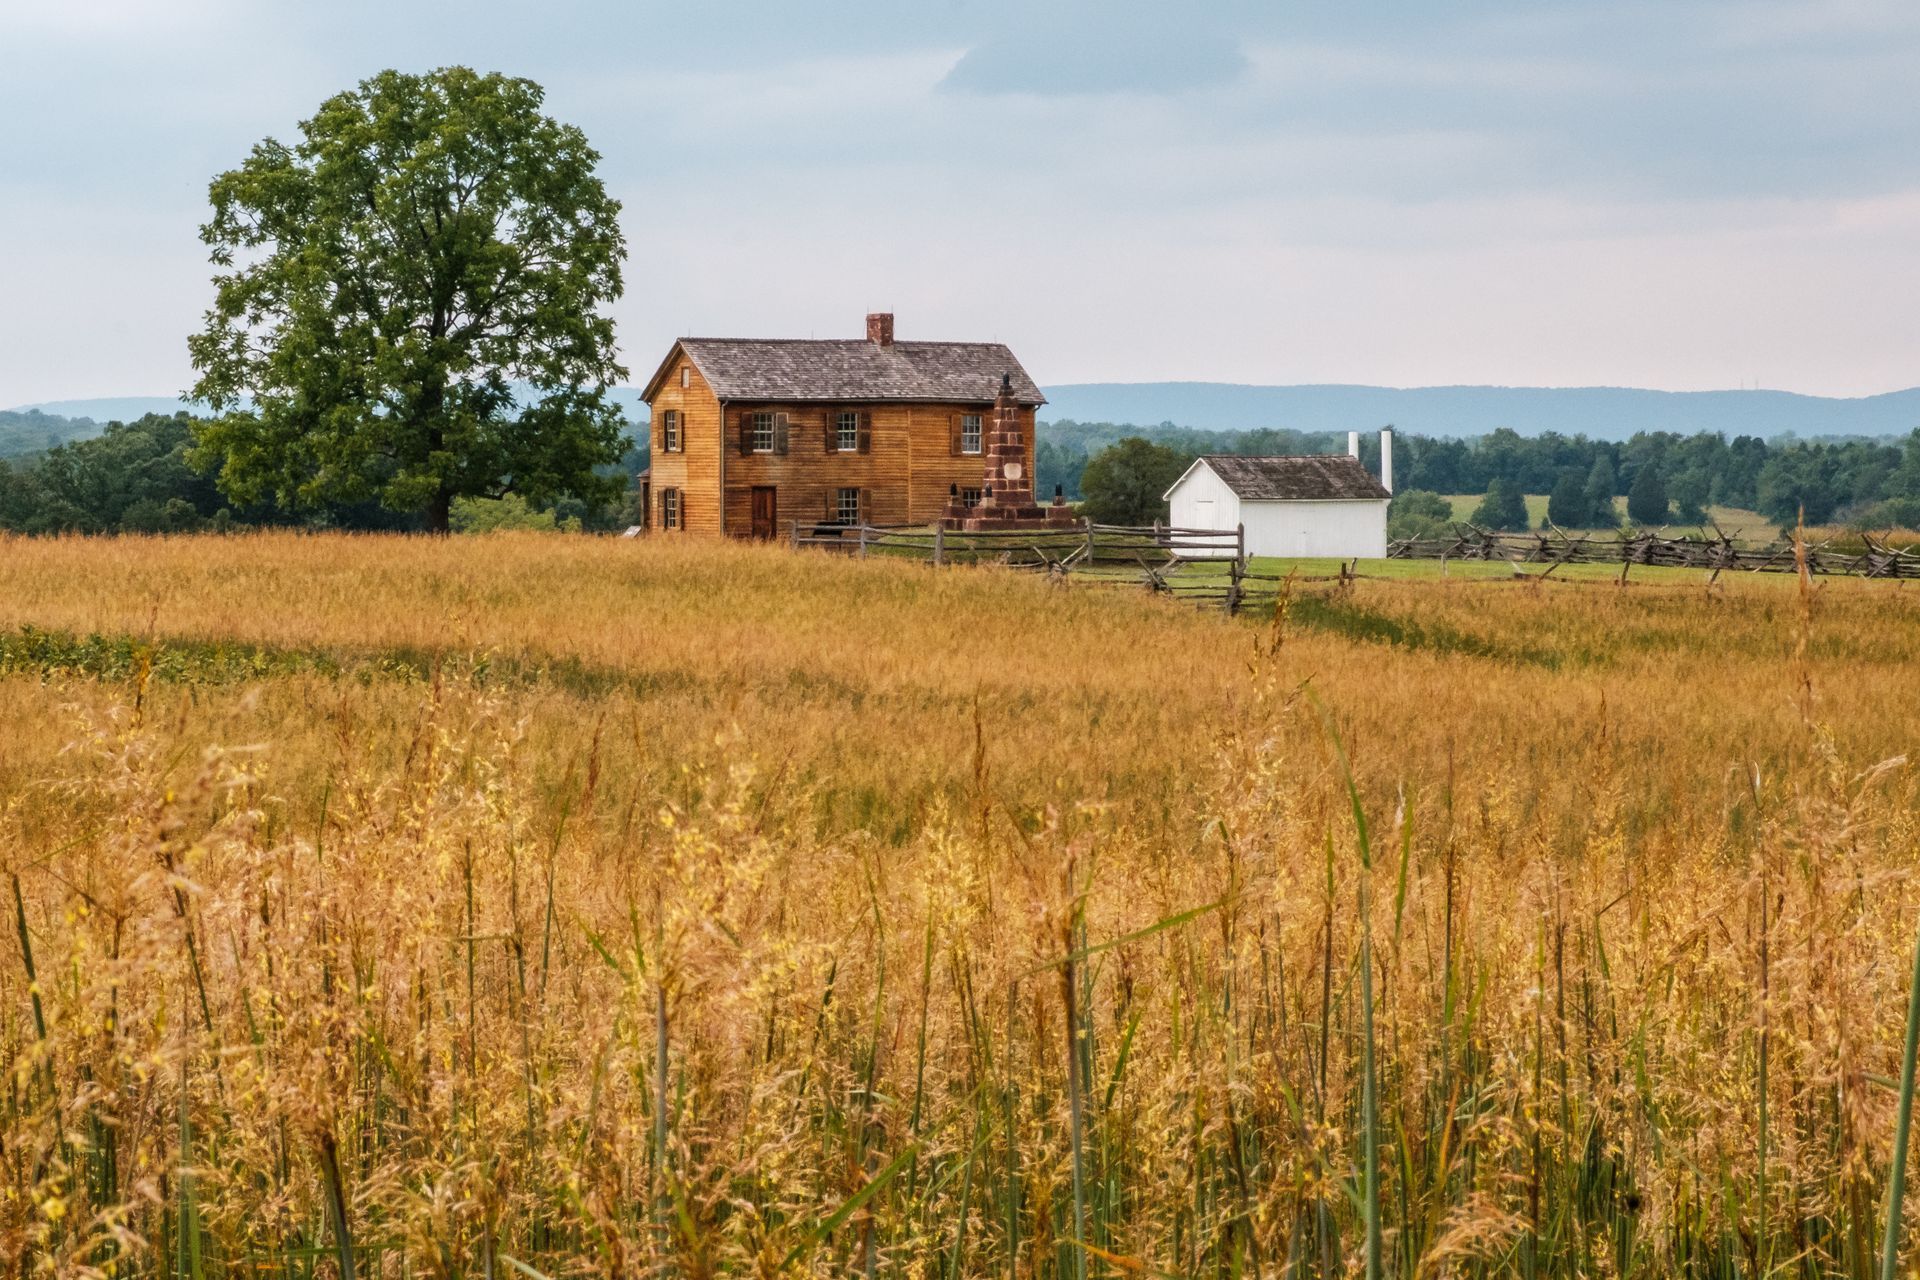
(387, 906)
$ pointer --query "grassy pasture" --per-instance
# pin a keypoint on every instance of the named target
(637, 907)
(1735, 522)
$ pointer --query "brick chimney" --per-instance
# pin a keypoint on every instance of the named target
(880, 328)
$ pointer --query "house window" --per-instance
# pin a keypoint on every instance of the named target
(847, 510)
(846, 432)
(969, 497)
(969, 433)
(669, 508)
(686, 376)
(763, 433)
(670, 431)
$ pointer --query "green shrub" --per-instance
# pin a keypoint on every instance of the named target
(485, 515)
(1418, 513)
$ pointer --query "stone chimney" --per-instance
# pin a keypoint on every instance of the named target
(880, 328)
(1386, 458)
(1353, 444)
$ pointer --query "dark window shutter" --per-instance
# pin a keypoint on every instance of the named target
(866, 506)
(953, 428)
(779, 433)
(866, 432)
(746, 433)
(831, 441)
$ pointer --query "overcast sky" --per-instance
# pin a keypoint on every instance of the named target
(1683, 194)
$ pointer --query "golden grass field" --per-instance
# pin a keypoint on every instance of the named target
(549, 906)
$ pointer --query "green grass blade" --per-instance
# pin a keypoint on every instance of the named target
(1902, 1127)
(1171, 922)
(822, 1229)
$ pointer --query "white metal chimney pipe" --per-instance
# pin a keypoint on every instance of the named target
(1353, 444)
(1386, 458)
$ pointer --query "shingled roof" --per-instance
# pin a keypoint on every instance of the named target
(797, 369)
(1300, 478)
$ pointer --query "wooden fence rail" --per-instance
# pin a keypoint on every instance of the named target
(1203, 566)
(1209, 566)
(1718, 553)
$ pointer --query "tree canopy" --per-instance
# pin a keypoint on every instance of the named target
(408, 306)
(133, 477)
(1504, 507)
(1871, 483)
(1124, 483)
(1569, 505)
(1647, 501)
(1418, 513)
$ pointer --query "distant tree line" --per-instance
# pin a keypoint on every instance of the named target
(31, 431)
(137, 477)
(1664, 476)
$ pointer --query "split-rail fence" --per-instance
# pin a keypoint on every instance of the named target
(1210, 566)
(1200, 566)
(1717, 553)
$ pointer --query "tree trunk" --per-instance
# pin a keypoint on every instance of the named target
(433, 400)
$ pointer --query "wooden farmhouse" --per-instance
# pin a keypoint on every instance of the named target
(1301, 506)
(750, 435)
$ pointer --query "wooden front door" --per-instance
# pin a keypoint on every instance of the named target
(766, 511)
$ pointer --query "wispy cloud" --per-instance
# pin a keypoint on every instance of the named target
(1678, 193)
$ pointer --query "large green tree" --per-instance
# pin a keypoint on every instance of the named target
(1600, 493)
(1504, 507)
(1124, 482)
(1647, 501)
(409, 305)
(1568, 504)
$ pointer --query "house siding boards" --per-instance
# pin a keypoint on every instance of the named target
(692, 470)
(1312, 529)
(906, 473)
(907, 470)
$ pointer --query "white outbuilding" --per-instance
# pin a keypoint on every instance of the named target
(1324, 504)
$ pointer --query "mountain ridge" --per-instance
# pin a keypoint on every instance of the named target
(1606, 413)
(1610, 413)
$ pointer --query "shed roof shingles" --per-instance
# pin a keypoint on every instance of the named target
(786, 369)
(1300, 478)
